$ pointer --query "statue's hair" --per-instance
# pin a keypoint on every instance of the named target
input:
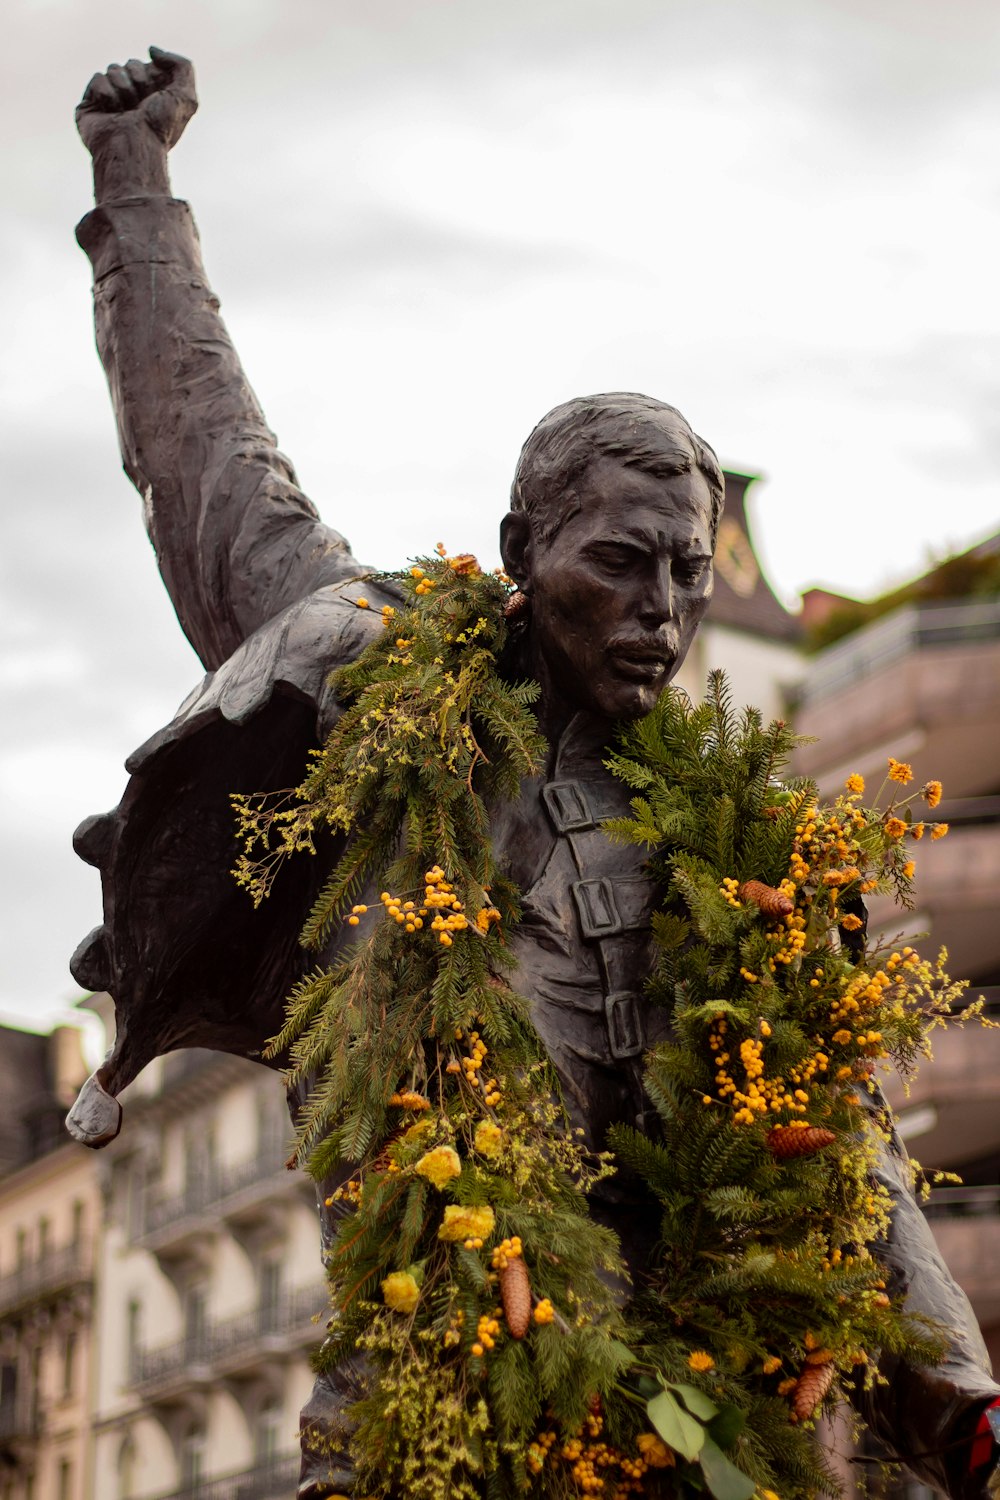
(637, 430)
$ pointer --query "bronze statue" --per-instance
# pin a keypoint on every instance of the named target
(610, 536)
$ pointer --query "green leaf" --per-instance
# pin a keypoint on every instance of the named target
(678, 1430)
(724, 1479)
(697, 1403)
(727, 1426)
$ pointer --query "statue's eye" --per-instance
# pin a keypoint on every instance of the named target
(689, 571)
(615, 557)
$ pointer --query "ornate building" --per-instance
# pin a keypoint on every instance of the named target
(212, 1291)
(49, 1210)
(921, 682)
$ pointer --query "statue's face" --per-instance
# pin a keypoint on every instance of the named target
(619, 591)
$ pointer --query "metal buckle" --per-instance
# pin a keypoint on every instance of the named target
(567, 806)
(624, 1024)
(595, 904)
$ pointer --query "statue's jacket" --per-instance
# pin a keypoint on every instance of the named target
(269, 598)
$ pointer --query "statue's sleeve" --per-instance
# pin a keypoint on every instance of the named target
(236, 540)
(918, 1410)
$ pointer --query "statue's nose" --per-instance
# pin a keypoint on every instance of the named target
(658, 600)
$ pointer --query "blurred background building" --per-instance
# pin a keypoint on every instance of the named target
(916, 674)
(49, 1212)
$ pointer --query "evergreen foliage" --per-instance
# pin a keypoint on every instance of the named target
(433, 1118)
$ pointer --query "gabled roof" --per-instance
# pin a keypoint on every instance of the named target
(743, 598)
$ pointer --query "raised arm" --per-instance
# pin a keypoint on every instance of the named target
(235, 538)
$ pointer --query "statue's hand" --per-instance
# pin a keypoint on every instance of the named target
(130, 116)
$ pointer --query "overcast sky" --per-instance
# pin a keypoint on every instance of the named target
(431, 220)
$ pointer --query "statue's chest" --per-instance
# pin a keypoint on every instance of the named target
(583, 944)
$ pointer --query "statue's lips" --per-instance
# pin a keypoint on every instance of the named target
(640, 663)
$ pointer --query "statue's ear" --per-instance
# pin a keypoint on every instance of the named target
(516, 548)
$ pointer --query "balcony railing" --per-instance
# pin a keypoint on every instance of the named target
(19, 1419)
(211, 1189)
(51, 1274)
(273, 1479)
(963, 1203)
(966, 1225)
(908, 629)
(232, 1341)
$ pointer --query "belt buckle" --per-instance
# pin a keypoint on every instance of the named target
(624, 1024)
(597, 908)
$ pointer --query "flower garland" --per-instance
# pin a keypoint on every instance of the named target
(466, 1268)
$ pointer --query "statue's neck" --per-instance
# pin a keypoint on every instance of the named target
(573, 733)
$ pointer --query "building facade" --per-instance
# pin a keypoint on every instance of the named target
(922, 683)
(49, 1211)
(212, 1289)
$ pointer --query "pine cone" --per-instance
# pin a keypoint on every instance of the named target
(784, 1141)
(516, 606)
(515, 1294)
(772, 902)
(810, 1388)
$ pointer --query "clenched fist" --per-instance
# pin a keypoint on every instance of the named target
(130, 116)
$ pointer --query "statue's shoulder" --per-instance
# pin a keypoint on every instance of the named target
(293, 655)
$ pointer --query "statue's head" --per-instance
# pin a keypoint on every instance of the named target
(614, 512)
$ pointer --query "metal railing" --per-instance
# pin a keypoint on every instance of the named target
(210, 1188)
(223, 1339)
(54, 1272)
(272, 1479)
(964, 1203)
(907, 629)
(19, 1419)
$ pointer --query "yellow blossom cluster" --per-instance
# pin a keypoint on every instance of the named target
(544, 1311)
(931, 793)
(701, 1360)
(789, 937)
(505, 1252)
(348, 1192)
(410, 1099)
(472, 1064)
(729, 887)
(597, 1468)
(406, 914)
(439, 1166)
(486, 1332)
(760, 1095)
(464, 1222)
(899, 771)
(400, 1292)
(439, 897)
(488, 1139)
(423, 582)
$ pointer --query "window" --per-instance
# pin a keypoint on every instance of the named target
(69, 1362)
(65, 1490)
(269, 1422)
(126, 1469)
(43, 1238)
(76, 1233)
(192, 1457)
(134, 1338)
(195, 1308)
(35, 1386)
(22, 1248)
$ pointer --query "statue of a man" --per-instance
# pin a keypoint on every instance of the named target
(610, 537)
